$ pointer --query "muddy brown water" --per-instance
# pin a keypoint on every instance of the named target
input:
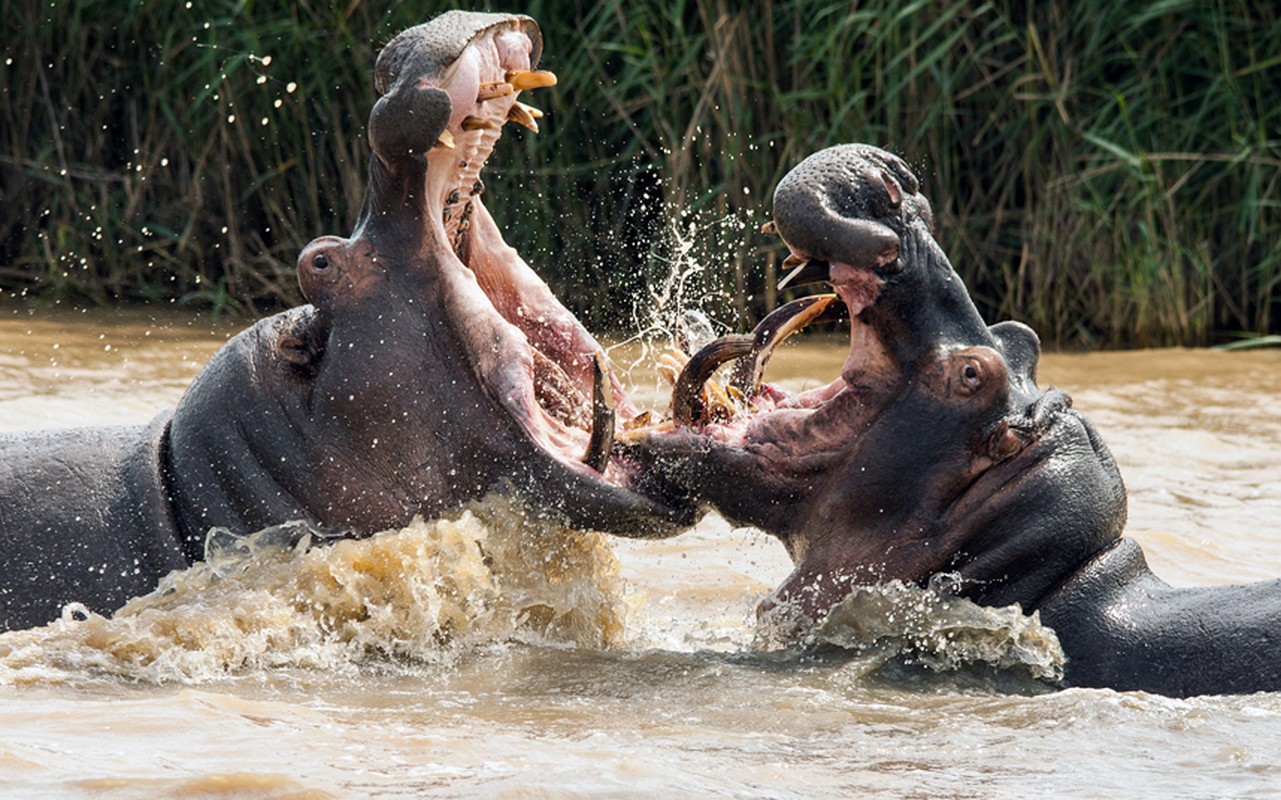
(572, 665)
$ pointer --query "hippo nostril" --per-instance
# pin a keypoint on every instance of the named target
(320, 261)
(1052, 402)
(1048, 406)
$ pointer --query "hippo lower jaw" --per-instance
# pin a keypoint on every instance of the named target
(560, 390)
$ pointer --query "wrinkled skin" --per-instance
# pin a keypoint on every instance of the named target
(936, 458)
(431, 366)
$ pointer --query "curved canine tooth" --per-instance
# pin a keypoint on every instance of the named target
(446, 140)
(769, 227)
(804, 271)
(492, 89)
(522, 79)
(686, 395)
(520, 114)
(477, 124)
(781, 323)
(602, 441)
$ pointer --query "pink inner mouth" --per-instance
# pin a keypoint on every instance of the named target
(535, 357)
(788, 428)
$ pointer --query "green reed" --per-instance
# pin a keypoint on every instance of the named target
(1106, 172)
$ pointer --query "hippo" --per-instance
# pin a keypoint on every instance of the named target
(935, 458)
(430, 367)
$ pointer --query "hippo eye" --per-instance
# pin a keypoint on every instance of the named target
(971, 378)
(320, 261)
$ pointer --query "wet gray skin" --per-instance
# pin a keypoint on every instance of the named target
(936, 458)
(431, 367)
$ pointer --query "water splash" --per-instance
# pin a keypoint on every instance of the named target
(429, 591)
(687, 261)
(895, 620)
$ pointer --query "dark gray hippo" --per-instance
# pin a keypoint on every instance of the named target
(936, 454)
(431, 366)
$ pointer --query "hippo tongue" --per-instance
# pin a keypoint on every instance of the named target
(557, 394)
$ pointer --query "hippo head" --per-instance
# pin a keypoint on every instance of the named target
(438, 334)
(433, 365)
(934, 453)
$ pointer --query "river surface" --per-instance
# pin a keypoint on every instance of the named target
(566, 664)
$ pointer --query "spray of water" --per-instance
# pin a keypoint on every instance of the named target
(685, 287)
(427, 592)
(918, 625)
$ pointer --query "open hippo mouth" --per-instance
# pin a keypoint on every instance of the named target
(433, 365)
(474, 67)
(841, 213)
(933, 452)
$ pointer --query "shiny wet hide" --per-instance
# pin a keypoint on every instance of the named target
(677, 702)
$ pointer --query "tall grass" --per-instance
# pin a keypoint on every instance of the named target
(1106, 172)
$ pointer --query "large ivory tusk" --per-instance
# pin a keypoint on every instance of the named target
(685, 394)
(602, 441)
(522, 79)
(781, 323)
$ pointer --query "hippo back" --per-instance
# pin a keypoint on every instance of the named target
(59, 492)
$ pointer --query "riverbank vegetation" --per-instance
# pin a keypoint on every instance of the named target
(1107, 172)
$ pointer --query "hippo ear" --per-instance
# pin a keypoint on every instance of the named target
(1021, 347)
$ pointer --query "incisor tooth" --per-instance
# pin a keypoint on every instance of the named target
(477, 124)
(446, 140)
(488, 91)
(522, 79)
(520, 114)
(670, 363)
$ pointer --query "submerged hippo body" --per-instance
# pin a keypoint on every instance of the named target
(936, 458)
(431, 366)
